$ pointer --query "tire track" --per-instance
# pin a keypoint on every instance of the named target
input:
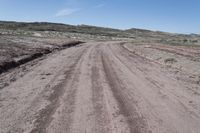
(101, 114)
(136, 122)
(45, 115)
(157, 89)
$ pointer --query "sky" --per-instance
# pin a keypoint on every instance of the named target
(176, 16)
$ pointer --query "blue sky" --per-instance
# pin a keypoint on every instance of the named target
(180, 16)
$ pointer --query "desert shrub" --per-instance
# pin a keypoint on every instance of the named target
(195, 41)
(170, 60)
(185, 40)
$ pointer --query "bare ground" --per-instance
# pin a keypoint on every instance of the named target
(17, 50)
(103, 87)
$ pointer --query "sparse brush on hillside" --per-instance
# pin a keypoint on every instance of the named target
(103, 33)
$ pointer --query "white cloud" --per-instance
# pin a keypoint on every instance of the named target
(66, 12)
(99, 6)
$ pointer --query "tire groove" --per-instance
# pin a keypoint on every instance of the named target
(135, 121)
(44, 118)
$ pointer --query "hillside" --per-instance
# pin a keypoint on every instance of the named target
(96, 33)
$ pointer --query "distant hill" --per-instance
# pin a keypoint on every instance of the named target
(133, 33)
(45, 26)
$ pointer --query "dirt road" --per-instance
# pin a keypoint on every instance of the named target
(98, 88)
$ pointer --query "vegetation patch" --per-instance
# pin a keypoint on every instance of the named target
(170, 60)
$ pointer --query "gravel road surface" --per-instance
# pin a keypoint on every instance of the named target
(97, 87)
